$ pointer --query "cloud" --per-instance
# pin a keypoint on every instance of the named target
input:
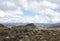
(11, 11)
(55, 1)
(44, 8)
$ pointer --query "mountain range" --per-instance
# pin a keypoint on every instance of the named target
(36, 24)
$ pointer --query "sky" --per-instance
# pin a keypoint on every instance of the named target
(29, 11)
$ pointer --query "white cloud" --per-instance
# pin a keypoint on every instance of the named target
(44, 8)
(39, 19)
(4, 20)
(10, 9)
(6, 5)
(2, 14)
(55, 1)
(35, 19)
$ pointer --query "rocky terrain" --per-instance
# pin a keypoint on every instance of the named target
(28, 32)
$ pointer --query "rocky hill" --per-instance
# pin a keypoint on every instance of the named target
(27, 26)
(29, 32)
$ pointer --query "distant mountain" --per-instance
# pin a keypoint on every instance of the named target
(13, 24)
(2, 26)
(47, 25)
(36, 24)
(42, 24)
